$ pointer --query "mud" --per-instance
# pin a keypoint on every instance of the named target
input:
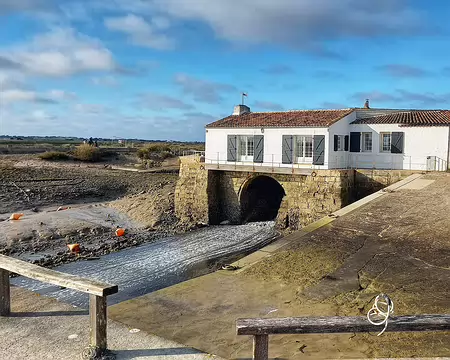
(24, 188)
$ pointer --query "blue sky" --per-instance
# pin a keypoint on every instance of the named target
(162, 69)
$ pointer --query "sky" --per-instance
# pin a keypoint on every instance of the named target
(163, 69)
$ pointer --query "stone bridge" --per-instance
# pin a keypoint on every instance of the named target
(205, 196)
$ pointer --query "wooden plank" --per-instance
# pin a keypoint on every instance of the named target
(56, 278)
(338, 324)
(98, 321)
(5, 296)
(261, 347)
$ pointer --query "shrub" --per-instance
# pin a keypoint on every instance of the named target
(155, 152)
(86, 152)
(54, 155)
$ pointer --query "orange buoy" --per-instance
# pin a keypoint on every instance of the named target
(120, 232)
(15, 216)
(74, 248)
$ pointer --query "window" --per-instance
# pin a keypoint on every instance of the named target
(340, 143)
(303, 148)
(385, 142)
(246, 148)
(367, 142)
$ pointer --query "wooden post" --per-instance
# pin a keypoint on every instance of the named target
(5, 297)
(97, 314)
(261, 347)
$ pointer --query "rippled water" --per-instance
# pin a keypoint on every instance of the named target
(159, 264)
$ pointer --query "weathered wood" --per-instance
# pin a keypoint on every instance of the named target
(261, 347)
(56, 278)
(338, 324)
(98, 319)
(5, 297)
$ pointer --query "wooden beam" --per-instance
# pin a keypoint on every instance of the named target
(98, 322)
(261, 347)
(5, 296)
(338, 324)
(56, 278)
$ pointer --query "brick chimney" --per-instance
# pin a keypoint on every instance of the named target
(367, 104)
(241, 109)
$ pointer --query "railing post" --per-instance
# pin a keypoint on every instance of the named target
(261, 347)
(5, 296)
(98, 322)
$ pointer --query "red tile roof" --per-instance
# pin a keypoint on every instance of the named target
(300, 118)
(411, 118)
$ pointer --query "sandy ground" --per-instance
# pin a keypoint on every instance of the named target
(398, 244)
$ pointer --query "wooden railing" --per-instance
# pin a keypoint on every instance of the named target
(97, 291)
(260, 329)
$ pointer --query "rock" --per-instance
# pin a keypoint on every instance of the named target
(226, 222)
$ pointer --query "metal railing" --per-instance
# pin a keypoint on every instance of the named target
(344, 161)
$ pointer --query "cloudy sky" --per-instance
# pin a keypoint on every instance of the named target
(162, 69)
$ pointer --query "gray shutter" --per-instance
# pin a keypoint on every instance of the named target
(397, 142)
(287, 156)
(355, 142)
(335, 143)
(231, 148)
(259, 149)
(319, 150)
(346, 143)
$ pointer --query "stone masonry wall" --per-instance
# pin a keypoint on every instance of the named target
(191, 192)
(369, 181)
(211, 197)
(308, 198)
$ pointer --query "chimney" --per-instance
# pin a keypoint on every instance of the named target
(241, 109)
(367, 104)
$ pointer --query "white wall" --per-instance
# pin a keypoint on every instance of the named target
(216, 144)
(419, 142)
(340, 159)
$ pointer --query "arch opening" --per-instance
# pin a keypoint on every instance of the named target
(261, 199)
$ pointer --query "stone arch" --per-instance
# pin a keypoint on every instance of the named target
(260, 199)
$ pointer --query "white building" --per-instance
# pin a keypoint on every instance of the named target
(330, 139)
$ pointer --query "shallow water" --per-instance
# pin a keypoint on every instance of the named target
(159, 264)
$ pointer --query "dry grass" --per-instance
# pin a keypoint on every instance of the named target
(86, 152)
(54, 155)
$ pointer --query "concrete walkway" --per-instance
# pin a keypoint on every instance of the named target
(41, 328)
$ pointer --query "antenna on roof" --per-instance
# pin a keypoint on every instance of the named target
(244, 95)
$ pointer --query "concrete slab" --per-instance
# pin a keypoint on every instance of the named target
(42, 328)
(398, 244)
(417, 184)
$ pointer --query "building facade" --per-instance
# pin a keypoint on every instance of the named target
(364, 138)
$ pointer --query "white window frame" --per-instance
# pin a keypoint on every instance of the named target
(363, 142)
(303, 158)
(247, 153)
(382, 134)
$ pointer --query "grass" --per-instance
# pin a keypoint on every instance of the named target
(88, 153)
(54, 156)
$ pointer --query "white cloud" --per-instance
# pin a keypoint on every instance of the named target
(18, 95)
(141, 32)
(203, 90)
(161, 102)
(60, 52)
(108, 81)
(90, 109)
(298, 23)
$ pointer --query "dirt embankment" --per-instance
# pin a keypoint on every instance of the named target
(30, 187)
(99, 200)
